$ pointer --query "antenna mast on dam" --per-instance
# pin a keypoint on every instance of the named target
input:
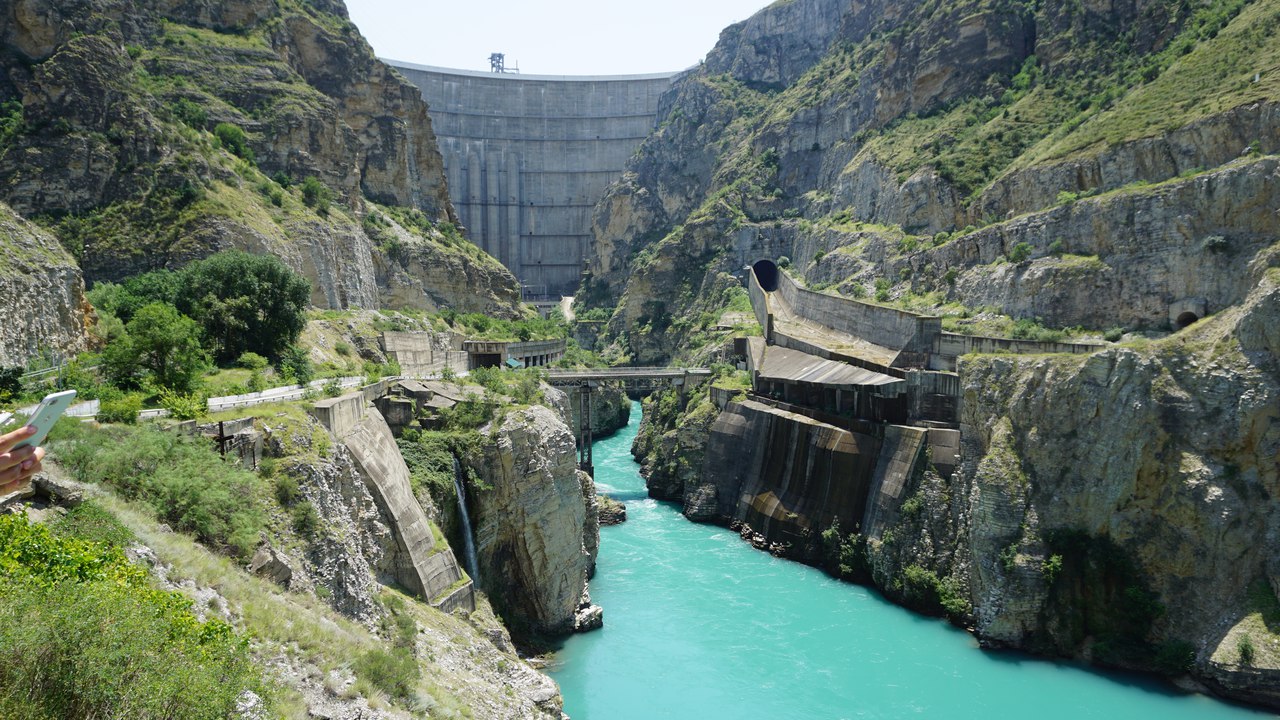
(527, 158)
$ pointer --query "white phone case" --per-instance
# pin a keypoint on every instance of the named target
(51, 408)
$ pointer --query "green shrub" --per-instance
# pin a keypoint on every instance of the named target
(189, 113)
(256, 382)
(10, 384)
(1216, 244)
(343, 349)
(184, 407)
(183, 479)
(287, 492)
(305, 518)
(1056, 248)
(84, 634)
(393, 672)
(1244, 646)
(295, 365)
(1051, 568)
(234, 140)
(251, 361)
(316, 195)
(1020, 253)
(882, 289)
(1113, 334)
(120, 409)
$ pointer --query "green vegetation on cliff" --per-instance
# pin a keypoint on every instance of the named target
(85, 633)
(925, 182)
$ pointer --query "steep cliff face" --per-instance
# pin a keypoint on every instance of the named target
(533, 533)
(42, 292)
(1159, 460)
(1127, 147)
(148, 134)
(610, 412)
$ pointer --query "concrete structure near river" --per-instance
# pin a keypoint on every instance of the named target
(527, 158)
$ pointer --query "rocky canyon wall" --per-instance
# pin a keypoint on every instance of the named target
(533, 516)
(42, 293)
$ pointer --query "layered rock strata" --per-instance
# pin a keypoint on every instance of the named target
(42, 292)
(534, 518)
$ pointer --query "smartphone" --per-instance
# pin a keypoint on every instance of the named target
(50, 409)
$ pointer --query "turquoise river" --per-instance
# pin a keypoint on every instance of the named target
(698, 625)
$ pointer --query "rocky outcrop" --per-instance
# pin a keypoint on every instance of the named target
(671, 444)
(610, 412)
(530, 518)
(151, 134)
(43, 295)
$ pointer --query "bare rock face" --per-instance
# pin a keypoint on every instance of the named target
(42, 292)
(1149, 471)
(350, 540)
(530, 520)
(610, 412)
(776, 46)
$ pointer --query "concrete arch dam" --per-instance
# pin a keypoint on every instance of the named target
(527, 158)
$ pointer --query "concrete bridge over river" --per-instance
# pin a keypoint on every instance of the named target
(580, 383)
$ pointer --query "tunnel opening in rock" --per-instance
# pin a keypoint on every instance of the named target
(766, 274)
(1186, 319)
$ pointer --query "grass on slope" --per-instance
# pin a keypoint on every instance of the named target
(1211, 71)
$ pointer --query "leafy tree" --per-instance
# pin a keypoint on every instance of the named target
(124, 299)
(245, 303)
(158, 342)
(295, 364)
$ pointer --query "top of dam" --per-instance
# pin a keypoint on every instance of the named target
(401, 64)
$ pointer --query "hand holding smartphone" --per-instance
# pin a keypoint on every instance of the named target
(50, 409)
(20, 451)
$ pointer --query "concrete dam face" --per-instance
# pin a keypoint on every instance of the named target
(528, 157)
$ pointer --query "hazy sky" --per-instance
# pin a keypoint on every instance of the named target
(549, 37)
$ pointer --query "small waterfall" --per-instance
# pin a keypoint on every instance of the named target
(469, 543)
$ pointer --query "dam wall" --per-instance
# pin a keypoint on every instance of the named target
(527, 157)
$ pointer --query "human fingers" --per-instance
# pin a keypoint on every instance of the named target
(16, 457)
(8, 440)
(19, 475)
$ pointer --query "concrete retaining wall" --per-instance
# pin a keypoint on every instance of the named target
(420, 566)
(887, 327)
(528, 157)
(900, 459)
(948, 346)
(341, 414)
(786, 475)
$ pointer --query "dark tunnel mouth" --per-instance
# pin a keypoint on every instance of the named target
(766, 274)
(1185, 319)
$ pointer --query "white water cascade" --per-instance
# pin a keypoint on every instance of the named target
(469, 544)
